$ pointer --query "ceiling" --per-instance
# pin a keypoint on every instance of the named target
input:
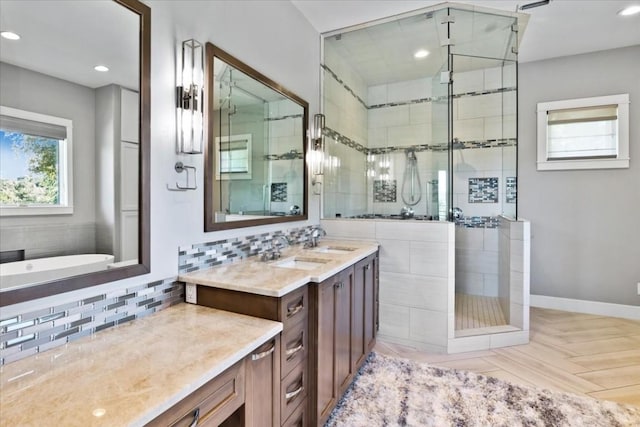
(561, 28)
(67, 38)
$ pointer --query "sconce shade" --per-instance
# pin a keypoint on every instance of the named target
(190, 99)
(316, 154)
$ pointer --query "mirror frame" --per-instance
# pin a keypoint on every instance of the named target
(212, 52)
(73, 283)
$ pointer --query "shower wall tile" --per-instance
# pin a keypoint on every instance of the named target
(411, 291)
(377, 95)
(394, 321)
(469, 81)
(429, 327)
(469, 130)
(389, 116)
(429, 259)
(409, 90)
(395, 255)
(420, 114)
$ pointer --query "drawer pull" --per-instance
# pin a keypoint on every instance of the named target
(368, 266)
(258, 356)
(339, 285)
(294, 393)
(196, 418)
(292, 351)
(292, 311)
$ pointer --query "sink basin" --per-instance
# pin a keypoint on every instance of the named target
(300, 263)
(334, 249)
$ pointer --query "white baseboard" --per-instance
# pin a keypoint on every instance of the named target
(588, 307)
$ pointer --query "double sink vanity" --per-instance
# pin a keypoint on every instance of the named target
(272, 343)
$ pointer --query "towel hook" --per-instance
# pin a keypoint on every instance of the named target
(181, 167)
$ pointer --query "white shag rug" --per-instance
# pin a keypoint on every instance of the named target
(390, 391)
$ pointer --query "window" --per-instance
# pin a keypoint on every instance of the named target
(35, 164)
(586, 133)
(233, 155)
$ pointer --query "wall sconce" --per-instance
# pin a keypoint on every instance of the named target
(189, 97)
(316, 153)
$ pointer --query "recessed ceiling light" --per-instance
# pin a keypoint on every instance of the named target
(630, 10)
(421, 54)
(101, 68)
(9, 35)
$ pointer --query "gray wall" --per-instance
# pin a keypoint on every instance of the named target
(48, 235)
(585, 236)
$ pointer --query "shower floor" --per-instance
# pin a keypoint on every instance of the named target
(474, 312)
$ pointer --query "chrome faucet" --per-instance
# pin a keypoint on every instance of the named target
(273, 252)
(316, 232)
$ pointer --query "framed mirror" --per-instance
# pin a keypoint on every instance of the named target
(255, 171)
(74, 145)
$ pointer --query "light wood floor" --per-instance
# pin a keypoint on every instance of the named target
(583, 354)
(474, 311)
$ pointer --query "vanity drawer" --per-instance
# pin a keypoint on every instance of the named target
(299, 416)
(294, 346)
(294, 306)
(211, 404)
(293, 390)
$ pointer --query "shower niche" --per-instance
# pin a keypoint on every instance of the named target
(421, 128)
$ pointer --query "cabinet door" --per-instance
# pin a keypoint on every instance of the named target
(371, 303)
(262, 403)
(343, 292)
(325, 385)
(129, 116)
(358, 309)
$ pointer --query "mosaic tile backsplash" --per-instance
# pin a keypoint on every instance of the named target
(385, 191)
(278, 191)
(512, 189)
(483, 190)
(37, 331)
(201, 256)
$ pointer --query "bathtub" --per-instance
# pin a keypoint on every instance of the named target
(21, 273)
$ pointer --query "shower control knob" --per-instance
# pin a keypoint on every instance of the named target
(457, 213)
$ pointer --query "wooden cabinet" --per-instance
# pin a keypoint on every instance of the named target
(247, 394)
(364, 308)
(211, 404)
(293, 311)
(332, 336)
(262, 403)
(329, 328)
(343, 330)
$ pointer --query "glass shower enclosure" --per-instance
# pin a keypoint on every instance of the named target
(421, 125)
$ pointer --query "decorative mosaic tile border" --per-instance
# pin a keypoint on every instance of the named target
(384, 191)
(206, 255)
(345, 140)
(483, 190)
(278, 191)
(290, 116)
(488, 143)
(512, 189)
(37, 331)
(290, 155)
(412, 101)
(344, 85)
(478, 222)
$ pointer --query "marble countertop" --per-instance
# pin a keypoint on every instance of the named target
(129, 374)
(265, 278)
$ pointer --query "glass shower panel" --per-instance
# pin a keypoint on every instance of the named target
(438, 193)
